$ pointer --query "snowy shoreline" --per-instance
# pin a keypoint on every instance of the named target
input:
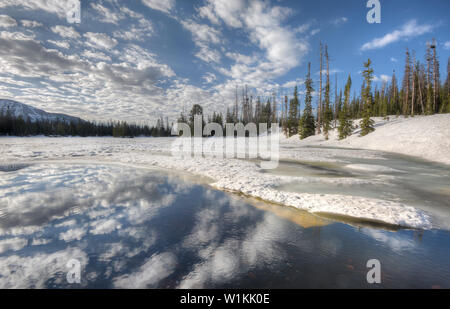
(230, 175)
(425, 137)
(248, 178)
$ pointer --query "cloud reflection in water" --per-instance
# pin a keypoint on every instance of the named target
(148, 229)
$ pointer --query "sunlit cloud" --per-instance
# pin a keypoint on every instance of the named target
(409, 30)
(164, 6)
(7, 21)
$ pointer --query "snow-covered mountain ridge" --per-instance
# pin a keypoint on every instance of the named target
(26, 112)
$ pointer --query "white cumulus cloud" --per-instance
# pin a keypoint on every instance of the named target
(100, 40)
(66, 32)
(408, 30)
(161, 5)
(7, 21)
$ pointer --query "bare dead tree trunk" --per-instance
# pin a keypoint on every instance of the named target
(245, 105)
(428, 56)
(327, 98)
(407, 80)
(250, 112)
(448, 77)
(413, 84)
(319, 106)
(435, 77)
(285, 113)
(236, 107)
(419, 77)
(335, 104)
(282, 114)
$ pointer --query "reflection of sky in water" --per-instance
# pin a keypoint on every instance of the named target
(142, 228)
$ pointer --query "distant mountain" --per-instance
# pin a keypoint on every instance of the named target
(26, 112)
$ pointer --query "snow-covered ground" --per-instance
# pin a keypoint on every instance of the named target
(427, 137)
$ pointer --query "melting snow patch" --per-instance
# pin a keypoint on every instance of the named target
(373, 168)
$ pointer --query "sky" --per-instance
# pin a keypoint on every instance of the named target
(137, 60)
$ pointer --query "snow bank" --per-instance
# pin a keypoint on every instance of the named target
(427, 137)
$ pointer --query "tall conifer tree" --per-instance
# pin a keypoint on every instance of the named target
(366, 122)
(345, 124)
(307, 126)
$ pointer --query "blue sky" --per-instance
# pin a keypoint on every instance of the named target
(139, 59)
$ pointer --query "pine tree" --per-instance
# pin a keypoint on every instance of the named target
(274, 109)
(429, 84)
(258, 111)
(229, 118)
(384, 101)
(420, 82)
(436, 78)
(306, 125)
(196, 110)
(367, 122)
(293, 114)
(345, 124)
(393, 95)
(267, 113)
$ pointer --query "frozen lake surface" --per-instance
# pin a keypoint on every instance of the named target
(147, 228)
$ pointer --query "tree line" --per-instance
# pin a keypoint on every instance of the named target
(17, 126)
(420, 93)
